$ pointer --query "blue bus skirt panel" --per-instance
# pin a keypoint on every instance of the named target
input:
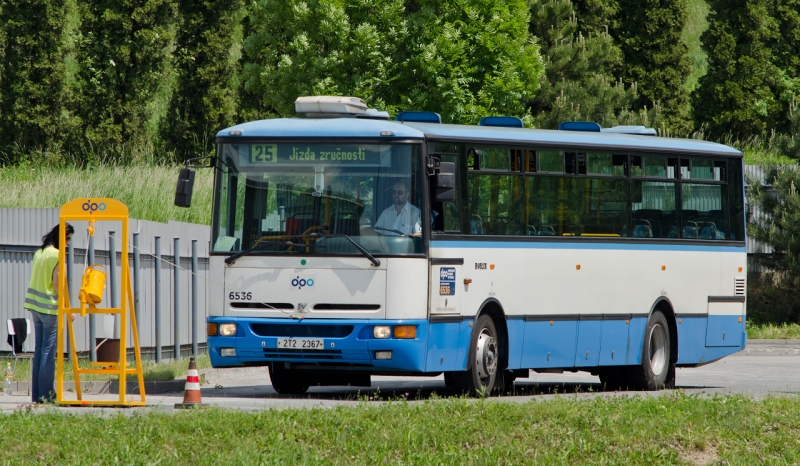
(700, 339)
(444, 346)
(345, 342)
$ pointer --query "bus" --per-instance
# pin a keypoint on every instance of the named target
(353, 245)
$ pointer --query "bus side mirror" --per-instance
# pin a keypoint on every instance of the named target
(183, 192)
(445, 182)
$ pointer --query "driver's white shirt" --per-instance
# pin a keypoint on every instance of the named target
(407, 221)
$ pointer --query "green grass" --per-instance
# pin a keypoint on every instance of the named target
(147, 190)
(773, 332)
(670, 429)
(168, 370)
(696, 24)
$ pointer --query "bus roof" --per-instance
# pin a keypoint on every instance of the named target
(368, 128)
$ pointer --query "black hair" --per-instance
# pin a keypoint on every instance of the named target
(51, 239)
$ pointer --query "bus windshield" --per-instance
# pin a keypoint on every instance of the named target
(301, 198)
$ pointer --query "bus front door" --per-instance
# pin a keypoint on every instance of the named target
(447, 329)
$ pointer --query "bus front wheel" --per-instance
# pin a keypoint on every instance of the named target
(286, 381)
(484, 361)
(657, 370)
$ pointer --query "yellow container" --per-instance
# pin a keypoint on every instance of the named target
(94, 282)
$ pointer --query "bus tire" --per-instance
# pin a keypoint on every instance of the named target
(657, 364)
(483, 371)
(286, 381)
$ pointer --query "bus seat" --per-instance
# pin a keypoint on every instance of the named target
(546, 230)
(642, 231)
(531, 230)
(673, 232)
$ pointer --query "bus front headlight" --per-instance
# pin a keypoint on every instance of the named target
(227, 330)
(381, 331)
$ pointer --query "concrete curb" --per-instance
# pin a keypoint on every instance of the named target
(211, 376)
(208, 377)
(111, 387)
(771, 348)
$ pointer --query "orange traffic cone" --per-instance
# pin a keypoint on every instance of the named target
(191, 391)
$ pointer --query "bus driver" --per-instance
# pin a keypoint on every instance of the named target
(401, 216)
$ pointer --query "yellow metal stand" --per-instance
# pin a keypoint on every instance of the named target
(91, 210)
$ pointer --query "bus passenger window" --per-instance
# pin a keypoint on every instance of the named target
(702, 215)
(653, 209)
(550, 161)
(496, 205)
(552, 206)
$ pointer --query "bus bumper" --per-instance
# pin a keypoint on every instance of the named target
(346, 343)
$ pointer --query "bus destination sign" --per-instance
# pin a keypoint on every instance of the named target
(314, 154)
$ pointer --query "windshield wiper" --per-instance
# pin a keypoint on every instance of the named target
(375, 262)
(230, 260)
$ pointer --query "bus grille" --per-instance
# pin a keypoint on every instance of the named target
(302, 330)
(739, 286)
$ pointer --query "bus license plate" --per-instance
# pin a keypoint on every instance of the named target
(301, 343)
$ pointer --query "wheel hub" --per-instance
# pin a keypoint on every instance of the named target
(486, 355)
(658, 350)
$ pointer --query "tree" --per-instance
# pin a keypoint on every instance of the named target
(322, 47)
(779, 227)
(123, 49)
(578, 83)
(740, 94)
(596, 16)
(462, 58)
(468, 59)
(31, 76)
(204, 100)
(655, 56)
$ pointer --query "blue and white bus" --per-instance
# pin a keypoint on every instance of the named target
(351, 245)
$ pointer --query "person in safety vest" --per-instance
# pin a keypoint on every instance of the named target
(42, 300)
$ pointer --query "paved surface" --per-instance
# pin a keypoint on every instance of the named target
(750, 374)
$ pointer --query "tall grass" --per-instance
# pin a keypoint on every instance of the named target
(784, 331)
(147, 190)
(696, 24)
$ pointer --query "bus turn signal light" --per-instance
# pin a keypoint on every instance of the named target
(405, 331)
(211, 329)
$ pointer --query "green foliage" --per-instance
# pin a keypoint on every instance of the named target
(578, 84)
(780, 224)
(769, 331)
(463, 58)
(696, 25)
(204, 100)
(655, 57)
(469, 58)
(322, 47)
(124, 47)
(752, 76)
(779, 227)
(31, 76)
(597, 16)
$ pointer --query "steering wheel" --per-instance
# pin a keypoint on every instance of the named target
(390, 229)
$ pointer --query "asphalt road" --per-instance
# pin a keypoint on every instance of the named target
(250, 389)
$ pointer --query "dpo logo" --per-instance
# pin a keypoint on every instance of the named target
(302, 282)
(91, 207)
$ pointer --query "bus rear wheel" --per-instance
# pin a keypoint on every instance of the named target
(484, 360)
(657, 370)
(286, 381)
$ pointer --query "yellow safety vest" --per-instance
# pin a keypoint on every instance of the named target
(42, 296)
